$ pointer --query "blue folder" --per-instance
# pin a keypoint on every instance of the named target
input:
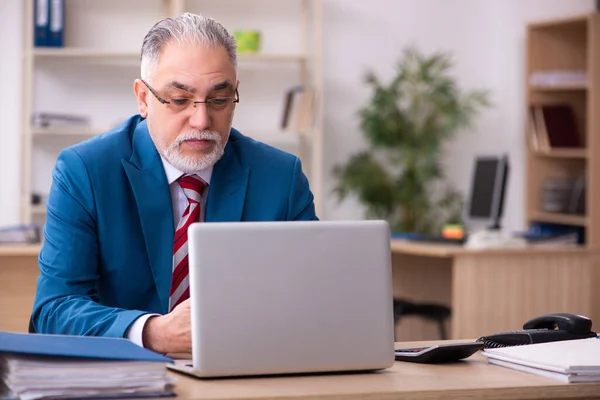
(41, 23)
(57, 23)
(85, 347)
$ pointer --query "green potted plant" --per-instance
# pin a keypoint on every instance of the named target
(406, 122)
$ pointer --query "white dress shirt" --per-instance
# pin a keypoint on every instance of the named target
(180, 202)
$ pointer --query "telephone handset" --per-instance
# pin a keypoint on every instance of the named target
(545, 328)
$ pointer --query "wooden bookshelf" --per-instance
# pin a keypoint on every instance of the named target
(563, 66)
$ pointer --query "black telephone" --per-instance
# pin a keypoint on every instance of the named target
(545, 328)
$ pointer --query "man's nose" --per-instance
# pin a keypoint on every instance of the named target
(200, 118)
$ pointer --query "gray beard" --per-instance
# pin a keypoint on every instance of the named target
(192, 164)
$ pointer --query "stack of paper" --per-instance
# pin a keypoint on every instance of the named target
(34, 366)
(567, 360)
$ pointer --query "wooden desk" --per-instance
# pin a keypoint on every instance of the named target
(470, 379)
(488, 291)
(493, 290)
(18, 279)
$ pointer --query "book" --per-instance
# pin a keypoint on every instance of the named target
(38, 366)
(552, 125)
(298, 110)
(567, 360)
(552, 230)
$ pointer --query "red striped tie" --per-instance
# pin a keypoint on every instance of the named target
(192, 186)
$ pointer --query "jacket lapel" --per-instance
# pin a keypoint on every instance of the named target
(151, 191)
(227, 190)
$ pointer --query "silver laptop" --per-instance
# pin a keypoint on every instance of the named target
(289, 297)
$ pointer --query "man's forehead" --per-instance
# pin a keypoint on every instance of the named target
(219, 85)
(174, 54)
(195, 67)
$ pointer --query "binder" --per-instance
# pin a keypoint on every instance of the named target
(57, 23)
(38, 366)
(86, 347)
(41, 23)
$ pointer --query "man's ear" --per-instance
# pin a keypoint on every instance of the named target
(139, 89)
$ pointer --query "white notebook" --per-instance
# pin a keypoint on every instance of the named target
(567, 360)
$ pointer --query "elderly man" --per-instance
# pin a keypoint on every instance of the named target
(114, 259)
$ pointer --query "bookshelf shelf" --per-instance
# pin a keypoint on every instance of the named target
(66, 131)
(562, 87)
(561, 153)
(267, 136)
(102, 54)
(82, 53)
(575, 220)
(575, 21)
(271, 137)
(561, 113)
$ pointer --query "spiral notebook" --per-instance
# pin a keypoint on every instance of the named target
(567, 360)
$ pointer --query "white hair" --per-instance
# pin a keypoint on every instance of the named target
(188, 28)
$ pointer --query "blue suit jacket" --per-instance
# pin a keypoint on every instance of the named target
(107, 254)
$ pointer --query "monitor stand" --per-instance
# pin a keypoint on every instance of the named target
(496, 225)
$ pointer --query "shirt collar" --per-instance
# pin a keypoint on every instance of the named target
(173, 173)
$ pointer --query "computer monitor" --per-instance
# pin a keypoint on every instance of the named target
(488, 187)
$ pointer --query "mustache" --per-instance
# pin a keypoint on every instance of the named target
(198, 135)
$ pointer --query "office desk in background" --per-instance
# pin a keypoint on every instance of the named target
(491, 291)
(470, 379)
(488, 291)
(18, 279)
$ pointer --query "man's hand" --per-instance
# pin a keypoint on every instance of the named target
(170, 333)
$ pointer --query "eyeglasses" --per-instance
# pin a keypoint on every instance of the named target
(184, 103)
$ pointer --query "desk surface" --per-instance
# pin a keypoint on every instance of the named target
(470, 379)
(401, 246)
(18, 250)
(397, 246)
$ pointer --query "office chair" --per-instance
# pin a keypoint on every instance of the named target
(429, 311)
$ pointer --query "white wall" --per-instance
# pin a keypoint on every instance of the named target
(10, 106)
(486, 37)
